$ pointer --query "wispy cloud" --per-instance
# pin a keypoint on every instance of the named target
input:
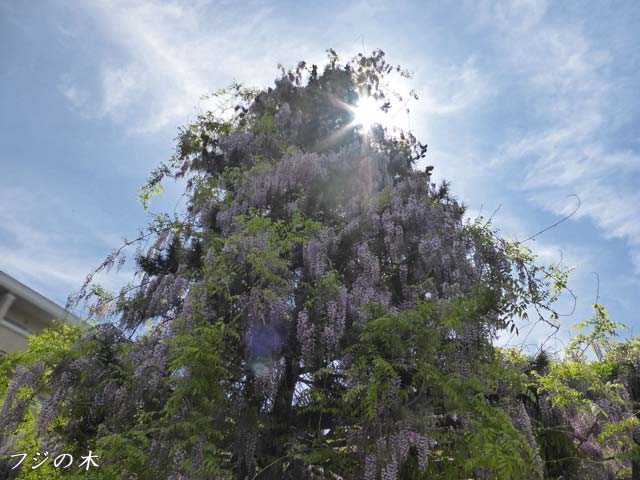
(453, 88)
(166, 55)
(569, 145)
(76, 96)
(42, 253)
(121, 87)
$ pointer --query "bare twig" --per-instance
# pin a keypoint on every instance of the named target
(558, 222)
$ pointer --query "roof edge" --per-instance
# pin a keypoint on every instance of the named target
(26, 293)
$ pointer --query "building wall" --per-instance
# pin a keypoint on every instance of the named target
(11, 341)
(24, 312)
(16, 327)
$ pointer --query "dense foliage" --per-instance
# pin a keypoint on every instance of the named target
(321, 310)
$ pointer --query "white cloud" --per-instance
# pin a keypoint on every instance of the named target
(120, 87)
(567, 148)
(452, 89)
(76, 96)
(166, 55)
(41, 253)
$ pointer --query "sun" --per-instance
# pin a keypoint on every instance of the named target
(367, 112)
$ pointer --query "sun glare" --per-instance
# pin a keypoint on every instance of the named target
(367, 112)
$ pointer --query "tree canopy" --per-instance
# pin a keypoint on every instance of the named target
(322, 310)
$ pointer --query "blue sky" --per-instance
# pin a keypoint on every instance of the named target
(522, 103)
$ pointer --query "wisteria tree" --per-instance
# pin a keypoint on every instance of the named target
(320, 310)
